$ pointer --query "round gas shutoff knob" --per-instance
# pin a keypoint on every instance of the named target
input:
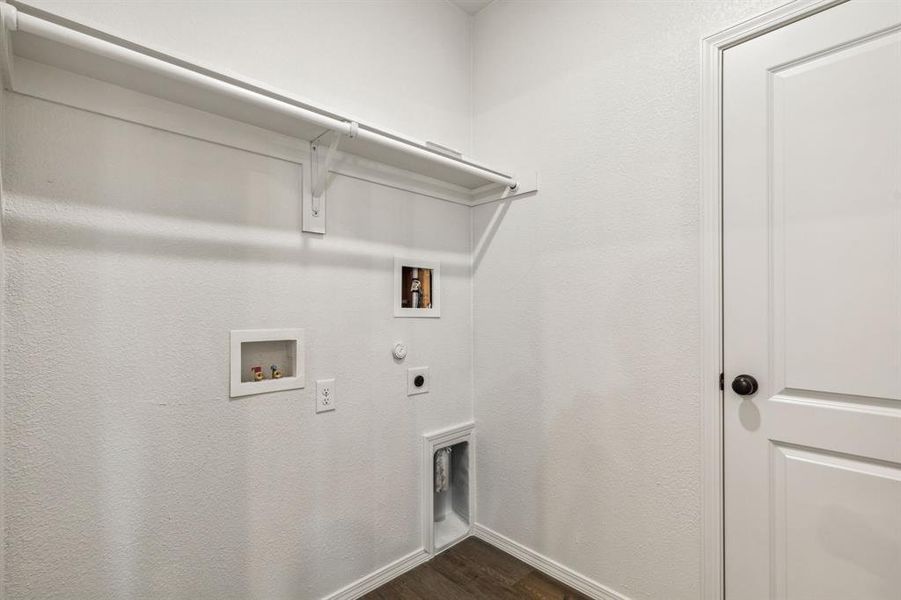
(400, 350)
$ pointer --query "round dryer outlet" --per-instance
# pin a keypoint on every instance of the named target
(418, 381)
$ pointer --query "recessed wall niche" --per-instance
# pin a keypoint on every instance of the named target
(417, 286)
(448, 494)
(266, 360)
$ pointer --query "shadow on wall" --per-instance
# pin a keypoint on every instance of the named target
(486, 236)
(168, 210)
(236, 244)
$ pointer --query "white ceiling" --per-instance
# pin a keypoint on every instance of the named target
(472, 6)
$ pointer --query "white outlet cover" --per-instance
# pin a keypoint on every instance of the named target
(326, 397)
(412, 388)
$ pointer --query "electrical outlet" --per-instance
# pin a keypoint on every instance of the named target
(325, 395)
(418, 381)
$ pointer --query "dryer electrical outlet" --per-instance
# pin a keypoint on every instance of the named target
(418, 381)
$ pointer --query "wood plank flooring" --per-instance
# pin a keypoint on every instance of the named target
(474, 569)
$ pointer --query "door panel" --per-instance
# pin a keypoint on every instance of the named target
(834, 116)
(812, 307)
(836, 521)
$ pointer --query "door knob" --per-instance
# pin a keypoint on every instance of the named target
(744, 385)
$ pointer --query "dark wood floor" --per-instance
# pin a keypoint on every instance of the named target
(474, 569)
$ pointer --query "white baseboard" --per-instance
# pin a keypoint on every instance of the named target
(575, 580)
(578, 582)
(380, 576)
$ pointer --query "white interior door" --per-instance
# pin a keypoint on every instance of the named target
(812, 307)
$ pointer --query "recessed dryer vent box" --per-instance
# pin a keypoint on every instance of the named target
(266, 360)
(448, 494)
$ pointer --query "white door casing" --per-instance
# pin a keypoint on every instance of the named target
(812, 307)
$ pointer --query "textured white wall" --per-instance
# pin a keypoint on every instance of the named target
(131, 253)
(586, 312)
(400, 64)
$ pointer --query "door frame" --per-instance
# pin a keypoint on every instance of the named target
(711, 152)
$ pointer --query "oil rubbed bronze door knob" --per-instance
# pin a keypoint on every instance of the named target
(744, 385)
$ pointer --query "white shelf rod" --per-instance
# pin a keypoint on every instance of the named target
(18, 21)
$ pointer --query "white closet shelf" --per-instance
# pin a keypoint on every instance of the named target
(40, 37)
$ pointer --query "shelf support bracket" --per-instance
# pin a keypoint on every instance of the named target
(322, 157)
(322, 164)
